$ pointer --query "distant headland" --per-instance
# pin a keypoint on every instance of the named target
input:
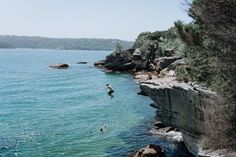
(12, 41)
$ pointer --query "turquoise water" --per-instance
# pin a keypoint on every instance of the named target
(48, 112)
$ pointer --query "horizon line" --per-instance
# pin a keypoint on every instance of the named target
(48, 37)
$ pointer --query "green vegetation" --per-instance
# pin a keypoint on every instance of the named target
(164, 40)
(61, 43)
(208, 45)
(210, 54)
(119, 48)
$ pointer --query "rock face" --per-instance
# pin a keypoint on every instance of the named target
(59, 66)
(149, 151)
(176, 64)
(120, 61)
(182, 106)
(140, 58)
(145, 55)
(130, 59)
(164, 62)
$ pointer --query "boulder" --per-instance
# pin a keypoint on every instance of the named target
(100, 63)
(120, 61)
(138, 60)
(138, 53)
(164, 62)
(173, 65)
(59, 66)
(150, 150)
(143, 56)
(159, 124)
(169, 52)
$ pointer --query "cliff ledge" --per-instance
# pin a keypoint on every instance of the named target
(183, 106)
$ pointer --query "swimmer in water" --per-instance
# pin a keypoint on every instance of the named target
(103, 128)
(109, 87)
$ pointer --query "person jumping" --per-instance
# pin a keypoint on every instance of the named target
(109, 87)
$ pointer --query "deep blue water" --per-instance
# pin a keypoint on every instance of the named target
(58, 113)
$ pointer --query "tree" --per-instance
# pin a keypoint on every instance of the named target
(218, 17)
(118, 48)
(211, 55)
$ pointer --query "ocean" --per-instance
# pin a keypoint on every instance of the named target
(48, 112)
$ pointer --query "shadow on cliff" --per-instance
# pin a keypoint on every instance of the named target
(140, 136)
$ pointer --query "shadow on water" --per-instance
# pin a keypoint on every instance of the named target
(140, 136)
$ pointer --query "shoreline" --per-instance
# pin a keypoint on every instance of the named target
(54, 49)
(157, 128)
(181, 104)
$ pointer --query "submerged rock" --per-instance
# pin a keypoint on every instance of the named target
(82, 62)
(59, 66)
(150, 150)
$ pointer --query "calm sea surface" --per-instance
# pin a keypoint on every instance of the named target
(58, 113)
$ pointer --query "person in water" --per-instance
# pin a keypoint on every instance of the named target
(109, 87)
(103, 128)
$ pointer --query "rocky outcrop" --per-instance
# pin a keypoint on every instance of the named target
(151, 150)
(164, 62)
(140, 58)
(145, 55)
(59, 66)
(131, 59)
(100, 63)
(120, 61)
(185, 107)
(175, 64)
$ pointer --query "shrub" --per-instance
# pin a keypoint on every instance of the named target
(211, 57)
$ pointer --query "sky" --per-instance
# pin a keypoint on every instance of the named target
(121, 19)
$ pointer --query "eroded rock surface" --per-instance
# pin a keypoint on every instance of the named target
(134, 59)
(164, 62)
(182, 106)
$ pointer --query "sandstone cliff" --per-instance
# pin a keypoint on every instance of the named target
(185, 107)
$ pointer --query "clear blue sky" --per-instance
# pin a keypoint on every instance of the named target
(123, 19)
